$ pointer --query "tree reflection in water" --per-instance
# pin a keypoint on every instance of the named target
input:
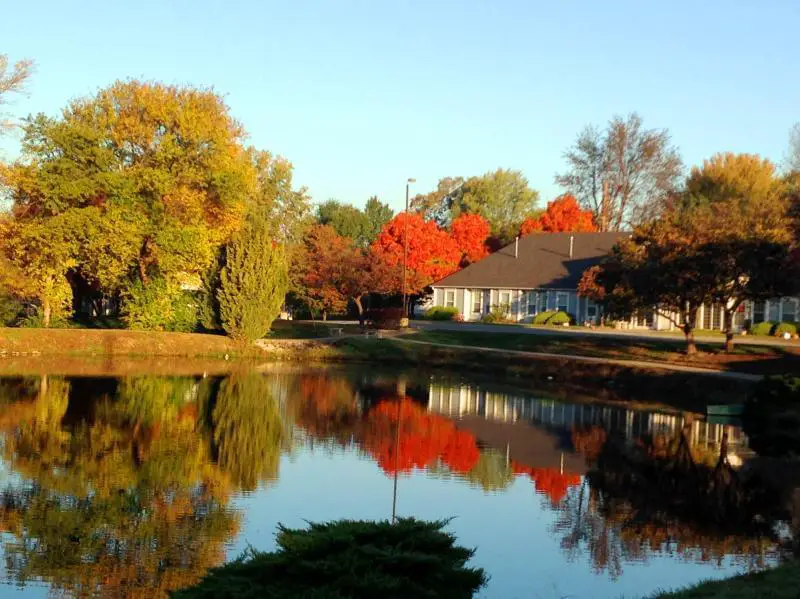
(654, 496)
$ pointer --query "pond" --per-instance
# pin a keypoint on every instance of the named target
(130, 487)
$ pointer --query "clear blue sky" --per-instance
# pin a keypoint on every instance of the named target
(360, 95)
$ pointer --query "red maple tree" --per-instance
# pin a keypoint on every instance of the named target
(563, 214)
(432, 253)
(470, 233)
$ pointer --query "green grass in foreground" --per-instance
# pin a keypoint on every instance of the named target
(781, 583)
(758, 359)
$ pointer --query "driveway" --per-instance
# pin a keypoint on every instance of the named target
(430, 325)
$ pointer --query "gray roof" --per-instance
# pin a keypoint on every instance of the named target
(543, 262)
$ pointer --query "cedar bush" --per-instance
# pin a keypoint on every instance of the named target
(441, 313)
(252, 284)
(553, 317)
(349, 560)
(762, 328)
(543, 317)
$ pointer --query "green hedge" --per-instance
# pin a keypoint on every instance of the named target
(762, 328)
(785, 327)
(346, 559)
(552, 317)
(441, 313)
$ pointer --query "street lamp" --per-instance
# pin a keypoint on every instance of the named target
(409, 181)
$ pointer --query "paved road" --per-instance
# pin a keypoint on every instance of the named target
(429, 325)
(628, 363)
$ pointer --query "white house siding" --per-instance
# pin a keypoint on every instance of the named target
(518, 301)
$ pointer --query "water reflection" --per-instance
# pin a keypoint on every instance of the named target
(127, 487)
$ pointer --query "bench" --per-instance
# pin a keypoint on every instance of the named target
(336, 331)
(372, 333)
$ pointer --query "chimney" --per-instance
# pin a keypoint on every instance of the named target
(516, 247)
(571, 245)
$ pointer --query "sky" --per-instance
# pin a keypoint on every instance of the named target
(361, 95)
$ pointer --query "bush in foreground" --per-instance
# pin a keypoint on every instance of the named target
(762, 328)
(441, 313)
(349, 560)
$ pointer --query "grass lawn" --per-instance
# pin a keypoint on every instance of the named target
(755, 359)
(780, 583)
(291, 329)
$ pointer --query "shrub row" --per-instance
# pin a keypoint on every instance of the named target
(773, 328)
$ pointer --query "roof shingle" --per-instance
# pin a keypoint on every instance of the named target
(543, 262)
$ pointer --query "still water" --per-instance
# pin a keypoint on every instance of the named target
(134, 486)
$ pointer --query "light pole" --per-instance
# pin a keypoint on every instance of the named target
(409, 181)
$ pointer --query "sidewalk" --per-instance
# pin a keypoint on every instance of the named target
(644, 364)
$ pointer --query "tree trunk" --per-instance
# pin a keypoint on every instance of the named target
(691, 347)
(47, 312)
(728, 328)
(357, 302)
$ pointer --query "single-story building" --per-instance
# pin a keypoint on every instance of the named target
(541, 271)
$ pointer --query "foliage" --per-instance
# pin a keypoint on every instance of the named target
(385, 318)
(784, 327)
(378, 214)
(441, 313)
(442, 204)
(248, 430)
(11, 309)
(142, 181)
(623, 174)
(497, 315)
(160, 305)
(562, 215)
(470, 233)
(432, 253)
(350, 559)
(503, 198)
(347, 220)
(253, 283)
(12, 81)
(762, 328)
(772, 416)
(543, 317)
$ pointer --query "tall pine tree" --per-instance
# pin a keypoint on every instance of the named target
(253, 283)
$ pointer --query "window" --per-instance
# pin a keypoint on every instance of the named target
(758, 311)
(532, 303)
(789, 310)
(450, 298)
(505, 301)
(477, 301)
(774, 310)
(591, 310)
(542, 295)
(562, 302)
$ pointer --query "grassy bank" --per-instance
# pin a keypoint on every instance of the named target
(751, 359)
(781, 583)
(603, 381)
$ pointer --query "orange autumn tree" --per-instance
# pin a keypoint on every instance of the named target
(432, 253)
(470, 232)
(563, 214)
(403, 436)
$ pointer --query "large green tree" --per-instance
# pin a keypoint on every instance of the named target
(347, 220)
(503, 197)
(153, 176)
(378, 214)
(253, 282)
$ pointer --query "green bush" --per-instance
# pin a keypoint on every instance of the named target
(561, 318)
(349, 560)
(253, 283)
(495, 316)
(11, 310)
(160, 305)
(552, 317)
(762, 328)
(785, 327)
(441, 313)
(771, 416)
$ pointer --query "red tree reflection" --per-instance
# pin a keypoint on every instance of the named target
(550, 482)
(402, 436)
